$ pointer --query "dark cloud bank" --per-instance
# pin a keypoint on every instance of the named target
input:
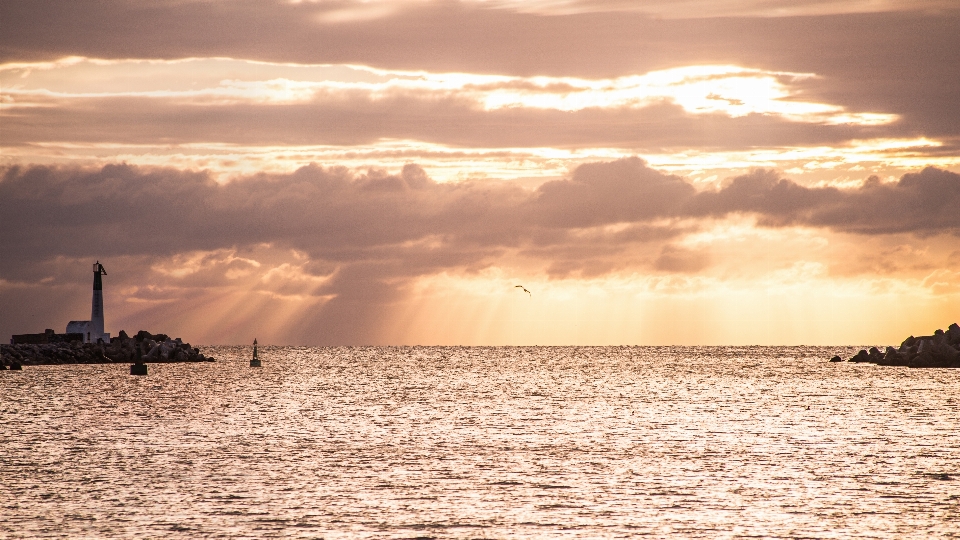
(338, 216)
(374, 232)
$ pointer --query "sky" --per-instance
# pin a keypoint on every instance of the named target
(341, 172)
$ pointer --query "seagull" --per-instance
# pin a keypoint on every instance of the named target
(524, 290)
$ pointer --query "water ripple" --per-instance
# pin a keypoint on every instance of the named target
(483, 442)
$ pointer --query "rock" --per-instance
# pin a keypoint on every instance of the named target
(938, 350)
(953, 334)
(944, 355)
(144, 335)
(121, 349)
(922, 360)
(893, 358)
(935, 352)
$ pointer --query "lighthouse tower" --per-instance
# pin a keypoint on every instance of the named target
(96, 309)
(92, 330)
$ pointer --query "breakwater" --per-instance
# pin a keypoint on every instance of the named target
(939, 350)
(142, 347)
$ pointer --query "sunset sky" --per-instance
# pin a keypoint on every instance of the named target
(385, 172)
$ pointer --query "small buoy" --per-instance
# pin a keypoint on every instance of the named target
(138, 367)
(255, 361)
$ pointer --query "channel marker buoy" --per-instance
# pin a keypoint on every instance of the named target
(138, 367)
(255, 361)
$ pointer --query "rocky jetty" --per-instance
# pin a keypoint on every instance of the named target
(940, 350)
(123, 349)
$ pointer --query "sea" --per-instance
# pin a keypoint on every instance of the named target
(483, 442)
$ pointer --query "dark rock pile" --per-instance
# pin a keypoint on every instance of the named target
(123, 349)
(941, 350)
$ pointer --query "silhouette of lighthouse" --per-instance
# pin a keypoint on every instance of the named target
(92, 330)
(96, 310)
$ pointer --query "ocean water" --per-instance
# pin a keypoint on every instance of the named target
(474, 442)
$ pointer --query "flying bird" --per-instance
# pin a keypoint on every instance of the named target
(524, 290)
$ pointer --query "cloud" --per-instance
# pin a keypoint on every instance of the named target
(337, 215)
(374, 224)
(864, 62)
(953, 260)
(778, 201)
(359, 118)
(361, 240)
(678, 259)
(919, 203)
(343, 244)
(613, 192)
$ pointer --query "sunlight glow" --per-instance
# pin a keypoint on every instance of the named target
(728, 90)
(663, 310)
(709, 89)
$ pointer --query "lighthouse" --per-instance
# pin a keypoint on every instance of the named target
(96, 309)
(92, 330)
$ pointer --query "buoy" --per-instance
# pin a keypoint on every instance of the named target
(255, 361)
(138, 367)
